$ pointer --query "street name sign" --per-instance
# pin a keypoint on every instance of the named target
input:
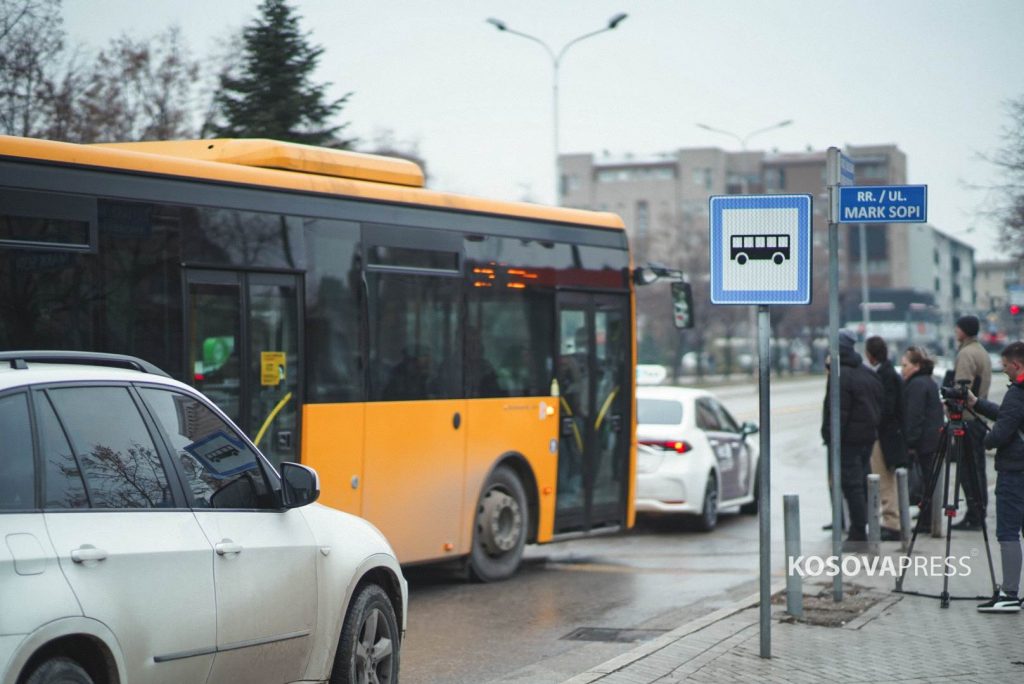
(883, 204)
(760, 249)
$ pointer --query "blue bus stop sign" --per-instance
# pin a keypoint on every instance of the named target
(760, 249)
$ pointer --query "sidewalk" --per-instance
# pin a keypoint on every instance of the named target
(902, 638)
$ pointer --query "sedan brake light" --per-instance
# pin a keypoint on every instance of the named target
(678, 446)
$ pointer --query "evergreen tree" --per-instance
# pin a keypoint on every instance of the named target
(271, 94)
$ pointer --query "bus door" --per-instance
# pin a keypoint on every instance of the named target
(595, 401)
(415, 439)
(242, 337)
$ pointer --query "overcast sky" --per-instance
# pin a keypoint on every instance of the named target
(929, 76)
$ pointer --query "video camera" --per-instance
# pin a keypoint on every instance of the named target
(955, 397)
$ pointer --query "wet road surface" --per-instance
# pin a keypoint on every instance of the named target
(654, 577)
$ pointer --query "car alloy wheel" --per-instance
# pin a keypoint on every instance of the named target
(368, 651)
(709, 512)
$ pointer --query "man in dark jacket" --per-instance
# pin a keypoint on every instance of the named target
(889, 452)
(1006, 436)
(860, 396)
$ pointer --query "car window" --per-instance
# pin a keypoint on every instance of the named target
(707, 419)
(659, 412)
(63, 485)
(17, 467)
(219, 467)
(725, 418)
(114, 449)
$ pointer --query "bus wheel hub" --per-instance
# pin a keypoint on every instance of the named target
(501, 522)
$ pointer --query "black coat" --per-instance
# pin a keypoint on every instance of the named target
(860, 401)
(923, 415)
(890, 426)
(1005, 435)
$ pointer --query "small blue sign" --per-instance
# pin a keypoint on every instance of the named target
(846, 170)
(760, 249)
(883, 204)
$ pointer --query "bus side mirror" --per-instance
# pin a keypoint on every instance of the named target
(682, 305)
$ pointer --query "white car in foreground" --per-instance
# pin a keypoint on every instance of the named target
(694, 458)
(143, 538)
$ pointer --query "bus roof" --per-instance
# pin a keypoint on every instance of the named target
(288, 166)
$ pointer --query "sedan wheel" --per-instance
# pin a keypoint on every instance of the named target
(369, 647)
(709, 512)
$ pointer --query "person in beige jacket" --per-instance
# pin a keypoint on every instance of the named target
(973, 364)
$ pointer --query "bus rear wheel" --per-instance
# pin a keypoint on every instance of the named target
(741, 259)
(778, 258)
(499, 531)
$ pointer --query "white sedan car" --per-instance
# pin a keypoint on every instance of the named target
(144, 539)
(694, 458)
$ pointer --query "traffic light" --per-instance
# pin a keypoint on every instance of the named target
(1016, 309)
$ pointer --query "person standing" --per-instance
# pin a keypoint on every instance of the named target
(923, 418)
(889, 451)
(860, 398)
(1007, 438)
(973, 364)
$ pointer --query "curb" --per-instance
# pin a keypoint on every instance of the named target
(653, 646)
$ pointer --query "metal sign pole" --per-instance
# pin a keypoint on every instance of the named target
(832, 163)
(764, 508)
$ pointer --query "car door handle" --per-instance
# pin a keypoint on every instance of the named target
(226, 546)
(88, 553)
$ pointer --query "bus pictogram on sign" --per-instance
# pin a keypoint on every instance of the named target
(774, 248)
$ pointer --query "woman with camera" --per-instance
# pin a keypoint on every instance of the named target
(923, 417)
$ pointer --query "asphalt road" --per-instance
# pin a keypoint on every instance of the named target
(654, 577)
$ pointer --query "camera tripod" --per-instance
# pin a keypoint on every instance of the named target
(954, 447)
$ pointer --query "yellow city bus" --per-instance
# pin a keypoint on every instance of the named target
(459, 371)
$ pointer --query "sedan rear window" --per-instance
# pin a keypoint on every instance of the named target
(659, 412)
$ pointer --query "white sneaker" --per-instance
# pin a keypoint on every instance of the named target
(1000, 603)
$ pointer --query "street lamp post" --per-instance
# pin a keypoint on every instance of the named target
(744, 188)
(556, 61)
(743, 139)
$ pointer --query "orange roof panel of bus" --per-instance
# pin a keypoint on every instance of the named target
(291, 167)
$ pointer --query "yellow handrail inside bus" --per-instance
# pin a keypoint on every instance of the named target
(270, 418)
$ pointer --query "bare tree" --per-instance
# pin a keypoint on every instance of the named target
(1010, 160)
(31, 42)
(133, 90)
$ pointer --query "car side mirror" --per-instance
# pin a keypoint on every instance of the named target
(300, 485)
(749, 428)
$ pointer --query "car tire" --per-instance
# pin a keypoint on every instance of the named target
(708, 517)
(499, 529)
(369, 646)
(59, 671)
(751, 508)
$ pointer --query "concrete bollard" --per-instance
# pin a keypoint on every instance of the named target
(794, 583)
(903, 492)
(874, 525)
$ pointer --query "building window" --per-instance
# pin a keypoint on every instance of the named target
(935, 256)
(643, 218)
(874, 170)
(774, 179)
(956, 292)
(937, 286)
(956, 264)
(703, 178)
(635, 173)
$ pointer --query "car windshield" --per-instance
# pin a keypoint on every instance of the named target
(659, 412)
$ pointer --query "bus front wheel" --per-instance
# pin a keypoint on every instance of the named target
(741, 258)
(499, 531)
